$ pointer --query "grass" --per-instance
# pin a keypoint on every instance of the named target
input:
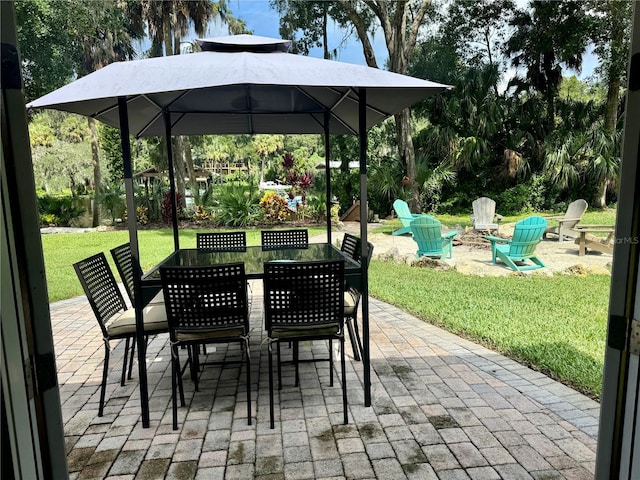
(61, 251)
(556, 325)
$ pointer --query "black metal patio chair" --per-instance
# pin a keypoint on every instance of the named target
(115, 320)
(351, 247)
(222, 241)
(124, 264)
(276, 239)
(304, 301)
(206, 304)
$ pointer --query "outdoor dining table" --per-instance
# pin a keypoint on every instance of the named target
(253, 257)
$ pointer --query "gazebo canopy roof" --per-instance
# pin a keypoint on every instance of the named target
(238, 84)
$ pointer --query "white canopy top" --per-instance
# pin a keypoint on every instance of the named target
(238, 84)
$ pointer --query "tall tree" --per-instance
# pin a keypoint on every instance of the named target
(168, 23)
(106, 37)
(611, 37)
(546, 36)
(305, 23)
(400, 23)
(48, 45)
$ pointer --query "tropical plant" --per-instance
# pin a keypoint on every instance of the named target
(274, 208)
(167, 209)
(238, 204)
(111, 198)
(61, 211)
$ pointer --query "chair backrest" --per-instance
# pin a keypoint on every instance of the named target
(484, 211)
(100, 287)
(402, 210)
(427, 233)
(222, 241)
(275, 239)
(299, 294)
(124, 264)
(527, 234)
(206, 297)
(350, 246)
(574, 212)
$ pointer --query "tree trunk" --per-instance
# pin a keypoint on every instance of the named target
(178, 165)
(611, 108)
(97, 178)
(408, 155)
(600, 200)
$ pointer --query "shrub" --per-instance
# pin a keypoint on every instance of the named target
(238, 204)
(111, 198)
(200, 215)
(60, 211)
(274, 208)
(166, 208)
(141, 215)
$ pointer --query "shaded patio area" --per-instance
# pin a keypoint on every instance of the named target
(442, 408)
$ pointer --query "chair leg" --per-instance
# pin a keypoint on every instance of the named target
(352, 337)
(103, 387)
(355, 327)
(344, 382)
(124, 361)
(133, 351)
(330, 362)
(272, 425)
(296, 356)
(248, 367)
(175, 372)
(279, 367)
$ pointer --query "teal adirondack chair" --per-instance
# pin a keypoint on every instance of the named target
(405, 216)
(427, 233)
(527, 234)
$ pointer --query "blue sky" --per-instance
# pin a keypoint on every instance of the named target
(260, 18)
(264, 21)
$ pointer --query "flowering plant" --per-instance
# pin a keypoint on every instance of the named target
(274, 208)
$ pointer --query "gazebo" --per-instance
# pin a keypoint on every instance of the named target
(240, 84)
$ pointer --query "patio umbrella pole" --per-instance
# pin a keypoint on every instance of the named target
(135, 254)
(364, 261)
(172, 180)
(327, 170)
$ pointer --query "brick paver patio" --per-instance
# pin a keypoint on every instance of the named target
(442, 408)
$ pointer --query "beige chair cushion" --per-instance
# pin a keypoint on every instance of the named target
(158, 299)
(311, 331)
(203, 335)
(155, 321)
(350, 303)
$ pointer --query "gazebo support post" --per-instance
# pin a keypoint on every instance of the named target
(172, 180)
(327, 169)
(364, 262)
(135, 254)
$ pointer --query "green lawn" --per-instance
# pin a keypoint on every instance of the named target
(554, 324)
(61, 251)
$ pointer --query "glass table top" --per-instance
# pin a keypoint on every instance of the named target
(253, 258)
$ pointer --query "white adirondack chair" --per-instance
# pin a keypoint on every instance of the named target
(484, 216)
(566, 223)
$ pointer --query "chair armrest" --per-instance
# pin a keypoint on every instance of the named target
(562, 220)
(499, 217)
(450, 235)
(495, 240)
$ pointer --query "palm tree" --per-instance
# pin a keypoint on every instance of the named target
(168, 23)
(107, 38)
